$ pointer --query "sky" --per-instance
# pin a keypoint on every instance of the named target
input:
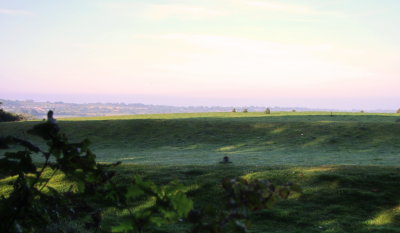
(340, 54)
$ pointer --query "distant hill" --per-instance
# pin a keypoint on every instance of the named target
(39, 109)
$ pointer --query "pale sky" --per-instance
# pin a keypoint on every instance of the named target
(310, 53)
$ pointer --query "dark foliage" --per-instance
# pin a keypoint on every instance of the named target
(8, 116)
(242, 197)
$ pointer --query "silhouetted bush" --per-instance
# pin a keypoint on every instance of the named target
(267, 111)
(8, 116)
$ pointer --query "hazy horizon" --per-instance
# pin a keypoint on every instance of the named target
(334, 104)
(308, 53)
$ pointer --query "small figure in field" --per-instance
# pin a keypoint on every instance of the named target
(225, 160)
(50, 117)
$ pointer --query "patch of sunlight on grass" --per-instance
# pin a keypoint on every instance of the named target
(318, 169)
(147, 204)
(7, 180)
(231, 147)
(385, 217)
(328, 222)
(134, 157)
(59, 183)
(334, 184)
(294, 195)
(278, 130)
(5, 190)
(317, 141)
(192, 147)
(255, 175)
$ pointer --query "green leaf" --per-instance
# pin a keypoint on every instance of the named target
(146, 186)
(182, 204)
(134, 191)
(123, 227)
(158, 221)
(81, 186)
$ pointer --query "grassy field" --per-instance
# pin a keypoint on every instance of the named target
(348, 164)
(247, 138)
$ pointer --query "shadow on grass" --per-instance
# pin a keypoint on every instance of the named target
(371, 137)
(278, 131)
(334, 199)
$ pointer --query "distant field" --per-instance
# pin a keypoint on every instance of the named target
(300, 138)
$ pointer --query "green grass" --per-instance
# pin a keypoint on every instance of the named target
(334, 199)
(348, 165)
(248, 138)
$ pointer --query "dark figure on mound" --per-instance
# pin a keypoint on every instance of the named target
(225, 160)
(50, 117)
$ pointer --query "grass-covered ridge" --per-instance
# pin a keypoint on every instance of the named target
(315, 138)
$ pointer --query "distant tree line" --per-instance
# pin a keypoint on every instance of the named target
(245, 110)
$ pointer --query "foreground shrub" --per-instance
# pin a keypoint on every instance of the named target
(242, 197)
(33, 204)
(8, 116)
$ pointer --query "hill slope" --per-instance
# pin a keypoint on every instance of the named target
(248, 138)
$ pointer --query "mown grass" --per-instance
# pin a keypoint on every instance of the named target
(248, 138)
(347, 164)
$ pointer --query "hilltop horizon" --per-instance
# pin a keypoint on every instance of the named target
(67, 109)
(384, 104)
